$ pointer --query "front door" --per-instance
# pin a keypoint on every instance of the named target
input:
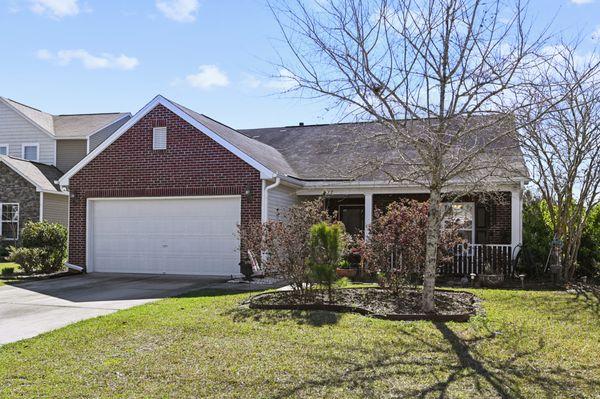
(353, 217)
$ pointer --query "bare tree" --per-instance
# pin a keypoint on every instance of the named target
(432, 73)
(561, 140)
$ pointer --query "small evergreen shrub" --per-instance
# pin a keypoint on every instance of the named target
(8, 271)
(44, 248)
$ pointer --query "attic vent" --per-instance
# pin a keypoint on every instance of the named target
(159, 138)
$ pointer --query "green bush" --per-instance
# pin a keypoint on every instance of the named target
(8, 271)
(30, 259)
(537, 237)
(44, 248)
(326, 246)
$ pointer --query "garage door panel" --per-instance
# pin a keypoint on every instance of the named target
(178, 236)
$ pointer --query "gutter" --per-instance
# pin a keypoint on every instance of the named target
(265, 198)
(74, 267)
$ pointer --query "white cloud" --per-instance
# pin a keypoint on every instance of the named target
(55, 8)
(582, 1)
(178, 10)
(90, 61)
(251, 81)
(208, 76)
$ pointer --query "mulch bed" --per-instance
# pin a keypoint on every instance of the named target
(374, 302)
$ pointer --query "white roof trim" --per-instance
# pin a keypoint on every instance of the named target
(28, 119)
(38, 188)
(64, 180)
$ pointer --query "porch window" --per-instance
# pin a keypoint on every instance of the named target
(463, 214)
(9, 222)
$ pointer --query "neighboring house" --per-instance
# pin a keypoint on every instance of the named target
(36, 148)
(166, 192)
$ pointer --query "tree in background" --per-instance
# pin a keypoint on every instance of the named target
(425, 70)
(561, 142)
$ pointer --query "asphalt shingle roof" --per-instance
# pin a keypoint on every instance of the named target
(67, 126)
(41, 175)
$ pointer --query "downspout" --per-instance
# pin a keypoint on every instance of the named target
(265, 198)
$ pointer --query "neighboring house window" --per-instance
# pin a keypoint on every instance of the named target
(9, 222)
(30, 152)
(159, 138)
(3, 149)
(463, 214)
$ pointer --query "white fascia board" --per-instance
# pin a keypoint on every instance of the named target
(160, 100)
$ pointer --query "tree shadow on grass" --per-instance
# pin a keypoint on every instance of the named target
(301, 317)
(453, 363)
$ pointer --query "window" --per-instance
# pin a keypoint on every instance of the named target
(159, 138)
(30, 152)
(463, 214)
(3, 149)
(9, 222)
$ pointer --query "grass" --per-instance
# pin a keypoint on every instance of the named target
(5, 265)
(537, 344)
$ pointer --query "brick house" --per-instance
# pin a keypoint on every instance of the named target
(166, 192)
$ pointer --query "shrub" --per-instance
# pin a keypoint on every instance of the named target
(44, 248)
(285, 243)
(537, 237)
(395, 251)
(30, 259)
(326, 246)
(8, 271)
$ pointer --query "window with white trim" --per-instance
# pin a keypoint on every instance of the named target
(159, 138)
(3, 149)
(463, 215)
(9, 221)
(31, 152)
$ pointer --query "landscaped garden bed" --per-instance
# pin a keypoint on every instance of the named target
(374, 302)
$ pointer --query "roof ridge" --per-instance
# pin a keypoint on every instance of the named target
(25, 105)
(93, 113)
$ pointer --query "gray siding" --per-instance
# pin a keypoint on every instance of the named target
(99, 137)
(69, 152)
(280, 199)
(56, 208)
(16, 130)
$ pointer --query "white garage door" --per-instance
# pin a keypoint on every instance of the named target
(173, 236)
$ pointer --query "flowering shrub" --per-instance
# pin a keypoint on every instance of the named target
(285, 243)
(395, 250)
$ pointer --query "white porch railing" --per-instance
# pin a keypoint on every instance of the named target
(475, 258)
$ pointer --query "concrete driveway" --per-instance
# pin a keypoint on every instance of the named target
(32, 308)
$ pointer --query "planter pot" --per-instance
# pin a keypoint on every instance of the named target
(491, 280)
(346, 272)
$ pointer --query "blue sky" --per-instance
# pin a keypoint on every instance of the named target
(76, 56)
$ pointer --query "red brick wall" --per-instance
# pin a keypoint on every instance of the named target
(192, 165)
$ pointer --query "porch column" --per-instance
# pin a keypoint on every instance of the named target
(516, 222)
(368, 213)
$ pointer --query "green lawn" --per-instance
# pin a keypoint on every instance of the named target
(4, 265)
(529, 345)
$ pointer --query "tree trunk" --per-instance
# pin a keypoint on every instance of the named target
(433, 233)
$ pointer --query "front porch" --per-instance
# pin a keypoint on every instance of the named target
(492, 228)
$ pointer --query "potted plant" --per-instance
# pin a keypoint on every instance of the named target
(345, 269)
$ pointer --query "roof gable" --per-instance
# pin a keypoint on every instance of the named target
(223, 136)
(40, 175)
(78, 126)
